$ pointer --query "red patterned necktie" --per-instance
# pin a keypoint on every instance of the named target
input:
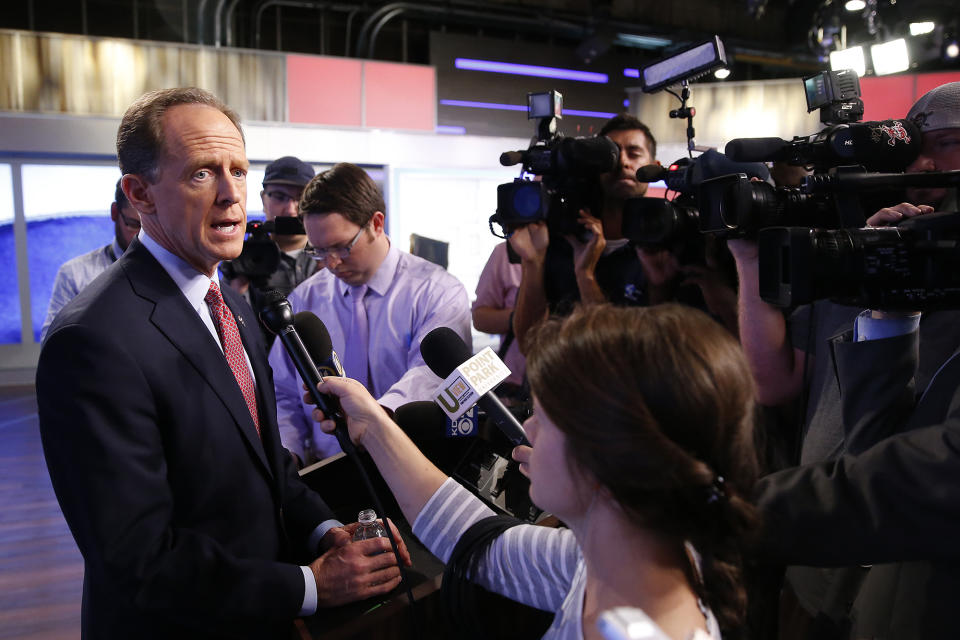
(233, 348)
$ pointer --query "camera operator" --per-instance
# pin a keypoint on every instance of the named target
(601, 265)
(283, 183)
(805, 353)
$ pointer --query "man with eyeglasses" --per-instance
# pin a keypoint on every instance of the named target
(283, 183)
(377, 302)
(76, 273)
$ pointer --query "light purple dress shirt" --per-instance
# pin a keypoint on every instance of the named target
(407, 298)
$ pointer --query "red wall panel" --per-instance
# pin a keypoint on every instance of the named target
(400, 96)
(887, 96)
(324, 90)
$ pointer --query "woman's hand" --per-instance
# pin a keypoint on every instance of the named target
(360, 408)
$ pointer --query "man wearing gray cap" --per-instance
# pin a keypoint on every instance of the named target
(937, 115)
(889, 511)
(283, 183)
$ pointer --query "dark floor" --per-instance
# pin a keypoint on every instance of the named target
(41, 570)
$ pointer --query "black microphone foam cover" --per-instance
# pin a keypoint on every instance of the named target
(651, 173)
(755, 149)
(314, 335)
(510, 158)
(443, 351)
(885, 145)
(422, 420)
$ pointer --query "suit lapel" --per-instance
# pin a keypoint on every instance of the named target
(179, 323)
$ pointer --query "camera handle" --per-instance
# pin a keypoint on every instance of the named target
(685, 112)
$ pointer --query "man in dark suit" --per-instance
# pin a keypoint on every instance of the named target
(895, 505)
(158, 416)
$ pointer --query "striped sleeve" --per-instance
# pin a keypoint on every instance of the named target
(447, 515)
(530, 564)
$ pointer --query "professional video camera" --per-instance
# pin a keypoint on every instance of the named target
(735, 206)
(568, 168)
(661, 222)
(915, 265)
(261, 255)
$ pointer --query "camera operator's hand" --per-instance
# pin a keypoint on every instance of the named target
(719, 296)
(892, 215)
(661, 270)
(744, 250)
(530, 242)
(587, 254)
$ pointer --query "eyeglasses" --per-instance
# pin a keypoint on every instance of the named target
(281, 197)
(341, 253)
(130, 223)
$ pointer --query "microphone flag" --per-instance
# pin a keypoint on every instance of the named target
(464, 387)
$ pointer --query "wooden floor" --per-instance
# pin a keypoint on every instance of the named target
(41, 570)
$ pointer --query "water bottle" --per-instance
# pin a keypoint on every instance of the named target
(369, 527)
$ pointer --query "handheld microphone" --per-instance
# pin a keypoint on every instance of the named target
(881, 145)
(443, 351)
(427, 421)
(277, 316)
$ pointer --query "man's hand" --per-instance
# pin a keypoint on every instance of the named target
(350, 571)
(531, 241)
(719, 296)
(587, 254)
(892, 215)
(743, 250)
(660, 266)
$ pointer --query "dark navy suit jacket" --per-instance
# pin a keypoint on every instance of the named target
(190, 524)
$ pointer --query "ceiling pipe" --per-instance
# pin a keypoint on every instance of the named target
(200, 22)
(366, 39)
(228, 21)
(216, 22)
(303, 4)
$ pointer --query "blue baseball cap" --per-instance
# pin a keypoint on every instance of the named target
(288, 170)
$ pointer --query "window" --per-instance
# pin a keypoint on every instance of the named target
(67, 210)
(9, 291)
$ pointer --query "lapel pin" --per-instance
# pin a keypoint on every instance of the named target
(241, 322)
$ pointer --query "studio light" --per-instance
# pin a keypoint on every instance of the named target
(890, 57)
(721, 74)
(851, 58)
(855, 5)
(951, 51)
(920, 28)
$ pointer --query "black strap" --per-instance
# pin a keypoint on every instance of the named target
(507, 340)
(456, 590)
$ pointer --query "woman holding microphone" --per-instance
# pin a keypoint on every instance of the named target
(642, 446)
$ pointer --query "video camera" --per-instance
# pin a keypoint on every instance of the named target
(662, 222)
(665, 223)
(261, 255)
(569, 169)
(735, 206)
(915, 265)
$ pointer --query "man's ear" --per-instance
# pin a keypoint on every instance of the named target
(377, 220)
(137, 190)
(114, 211)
